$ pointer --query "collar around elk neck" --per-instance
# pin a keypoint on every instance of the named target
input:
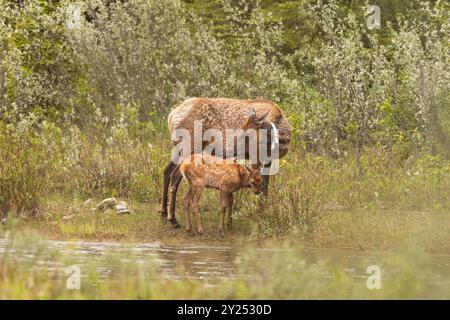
(273, 143)
(276, 138)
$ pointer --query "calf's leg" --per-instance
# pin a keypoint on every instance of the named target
(223, 207)
(187, 200)
(195, 207)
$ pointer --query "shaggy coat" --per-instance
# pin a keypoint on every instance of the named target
(225, 113)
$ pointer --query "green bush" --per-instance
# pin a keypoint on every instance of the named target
(27, 163)
(368, 108)
(295, 206)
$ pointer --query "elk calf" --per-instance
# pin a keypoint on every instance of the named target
(206, 171)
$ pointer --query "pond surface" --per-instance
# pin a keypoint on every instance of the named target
(209, 263)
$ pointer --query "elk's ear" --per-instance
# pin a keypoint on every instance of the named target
(261, 119)
(252, 114)
(249, 121)
(252, 121)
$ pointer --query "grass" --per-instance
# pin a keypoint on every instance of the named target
(358, 229)
(372, 229)
(406, 236)
(373, 201)
(373, 198)
(143, 225)
(283, 274)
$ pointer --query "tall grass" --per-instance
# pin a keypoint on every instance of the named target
(310, 188)
(43, 162)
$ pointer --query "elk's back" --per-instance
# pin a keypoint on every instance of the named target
(226, 113)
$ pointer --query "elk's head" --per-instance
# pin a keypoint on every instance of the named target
(255, 131)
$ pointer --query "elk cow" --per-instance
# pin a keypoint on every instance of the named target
(223, 114)
(206, 171)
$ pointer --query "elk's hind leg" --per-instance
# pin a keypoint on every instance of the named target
(166, 180)
(175, 179)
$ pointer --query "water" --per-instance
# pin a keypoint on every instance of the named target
(208, 263)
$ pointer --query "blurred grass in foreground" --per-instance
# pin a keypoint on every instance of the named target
(283, 274)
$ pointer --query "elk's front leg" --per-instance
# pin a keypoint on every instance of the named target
(265, 180)
(230, 211)
(265, 185)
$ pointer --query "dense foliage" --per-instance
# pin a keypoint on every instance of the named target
(85, 88)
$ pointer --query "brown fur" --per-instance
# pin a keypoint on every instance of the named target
(222, 114)
(206, 171)
(225, 113)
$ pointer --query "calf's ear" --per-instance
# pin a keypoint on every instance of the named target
(249, 170)
(231, 159)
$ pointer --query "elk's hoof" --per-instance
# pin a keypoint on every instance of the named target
(200, 231)
(163, 215)
(221, 234)
(175, 224)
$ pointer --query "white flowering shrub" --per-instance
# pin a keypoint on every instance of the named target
(153, 54)
(36, 66)
(367, 91)
(91, 83)
(29, 158)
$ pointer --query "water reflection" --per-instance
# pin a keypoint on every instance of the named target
(207, 263)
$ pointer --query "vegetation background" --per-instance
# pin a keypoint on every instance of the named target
(84, 95)
(85, 89)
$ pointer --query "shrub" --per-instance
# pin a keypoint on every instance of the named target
(295, 205)
(27, 162)
(114, 162)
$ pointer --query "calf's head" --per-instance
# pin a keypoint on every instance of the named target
(253, 179)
